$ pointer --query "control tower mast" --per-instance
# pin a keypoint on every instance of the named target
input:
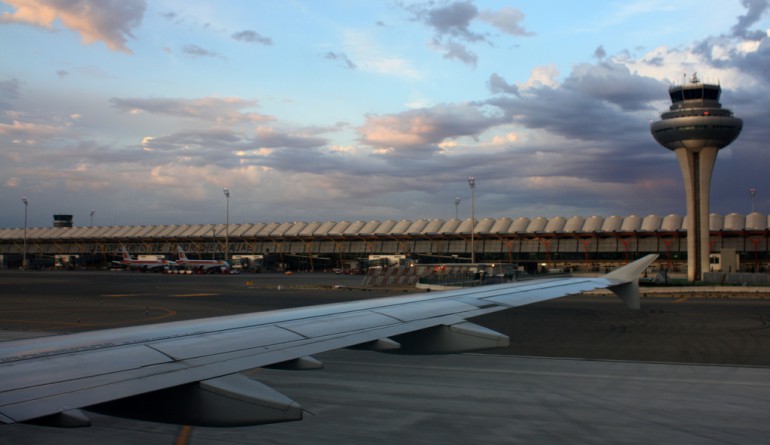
(696, 127)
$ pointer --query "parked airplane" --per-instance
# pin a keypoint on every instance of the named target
(143, 265)
(188, 372)
(201, 265)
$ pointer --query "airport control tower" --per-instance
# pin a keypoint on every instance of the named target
(696, 127)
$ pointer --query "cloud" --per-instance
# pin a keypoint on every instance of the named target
(198, 147)
(266, 147)
(754, 11)
(211, 109)
(197, 51)
(451, 23)
(614, 83)
(454, 20)
(419, 132)
(342, 58)
(250, 36)
(109, 21)
(497, 84)
(9, 90)
(541, 76)
(29, 134)
(507, 20)
(454, 50)
(600, 53)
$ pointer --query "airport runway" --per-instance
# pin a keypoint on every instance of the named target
(623, 394)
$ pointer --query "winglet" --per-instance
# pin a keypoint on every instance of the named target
(627, 278)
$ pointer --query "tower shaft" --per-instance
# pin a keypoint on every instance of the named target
(697, 168)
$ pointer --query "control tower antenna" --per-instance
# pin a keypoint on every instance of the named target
(695, 128)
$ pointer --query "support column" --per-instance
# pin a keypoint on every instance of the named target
(697, 168)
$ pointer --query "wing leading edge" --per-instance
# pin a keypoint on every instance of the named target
(188, 372)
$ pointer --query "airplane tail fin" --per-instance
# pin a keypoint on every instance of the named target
(182, 255)
(126, 255)
(627, 277)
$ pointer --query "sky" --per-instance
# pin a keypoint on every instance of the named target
(342, 110)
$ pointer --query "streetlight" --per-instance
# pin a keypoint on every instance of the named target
(457, 208)
(472, 183)
(24, 252)
(752, 194)
(92, 216)
(227, 223)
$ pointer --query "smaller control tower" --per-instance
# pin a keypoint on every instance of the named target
(696, 127)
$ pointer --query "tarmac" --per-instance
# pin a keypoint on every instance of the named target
(579, 369)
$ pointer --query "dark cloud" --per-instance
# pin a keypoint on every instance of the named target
(507, 20)
(110, 21)
(754, 11)
(309, 160)
(454, 50)
(569, 114)
(227, 148)
(278, 139)
(250, 36)
(197, 51)
(600, 53)
(197, 142)
(342, 58)
(10, 89)
(497, 85)
(729, 53)
(454, 20)
(755, 63)
(451, 24)
(598, 102)
(62, 74)
(614, 83)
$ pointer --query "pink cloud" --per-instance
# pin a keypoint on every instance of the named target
(109, 21)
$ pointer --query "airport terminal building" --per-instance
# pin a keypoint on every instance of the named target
(532, 244)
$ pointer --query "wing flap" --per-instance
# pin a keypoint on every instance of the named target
(338, 323)
(82, 365)
(233, 340)
(425, 309)
(555, 289)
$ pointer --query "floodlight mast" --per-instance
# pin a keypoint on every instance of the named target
(227, 224)
(472, 183)
(24, 251)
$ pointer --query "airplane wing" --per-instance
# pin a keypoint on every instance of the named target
(188, 372)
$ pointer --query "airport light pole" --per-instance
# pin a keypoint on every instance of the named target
(752, 194)
(92, 216)
(472, 183)
(24, 249)
(227, 223)
(457, 208)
